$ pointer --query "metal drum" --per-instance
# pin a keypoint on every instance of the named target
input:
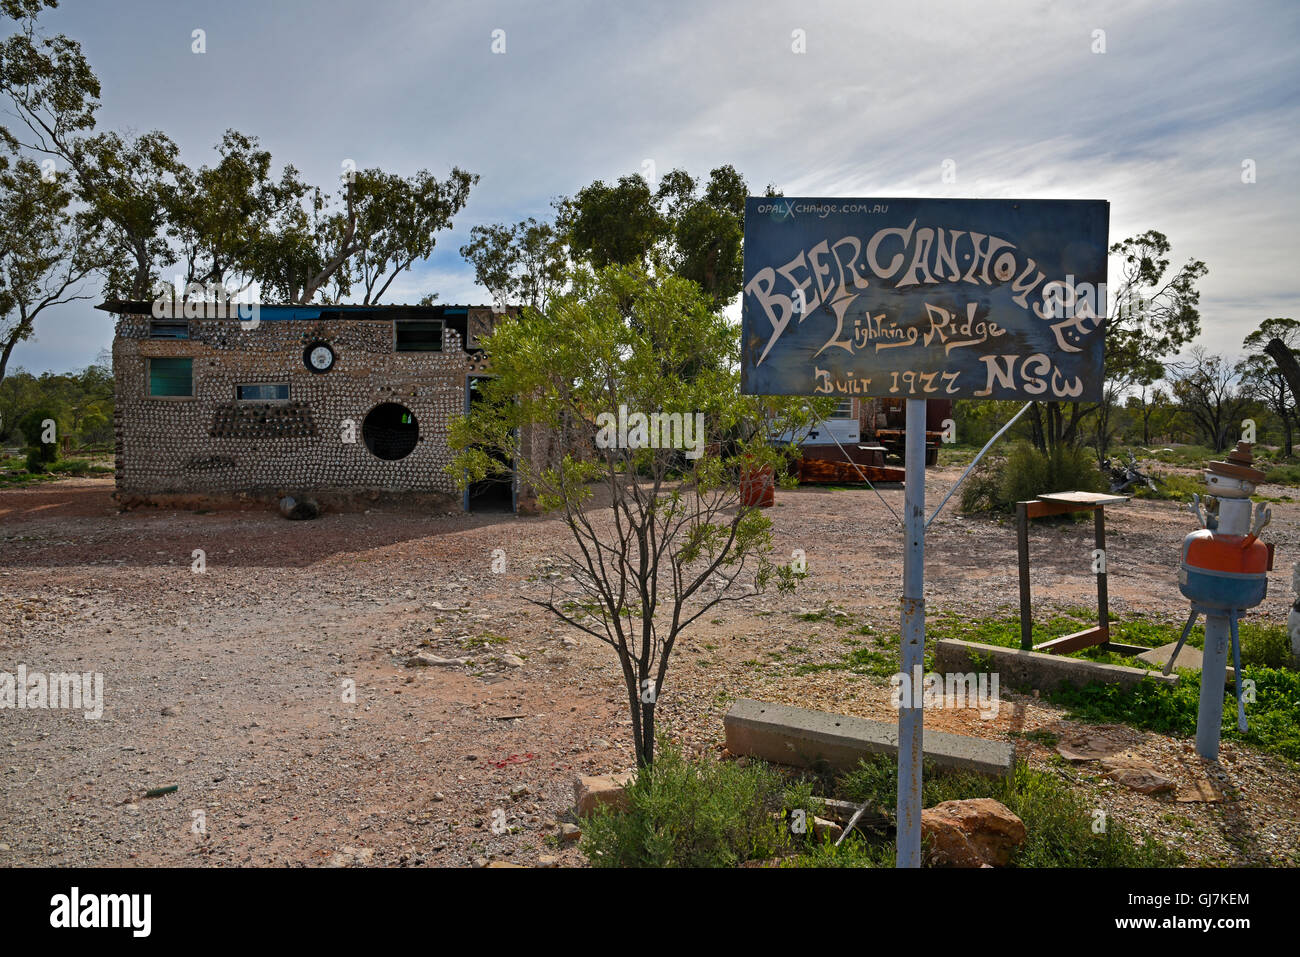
(1223, 571)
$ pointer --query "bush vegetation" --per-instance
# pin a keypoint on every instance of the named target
(1026, 473)
(696, 813)
(704, 813)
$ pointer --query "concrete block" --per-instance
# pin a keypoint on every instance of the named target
(1188, 657)
(796, 736)
(1035, 669)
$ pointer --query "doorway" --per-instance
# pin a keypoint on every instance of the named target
(495, 493)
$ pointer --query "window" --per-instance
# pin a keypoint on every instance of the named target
(419, 336)
(169, 329)
(271, 392)
(843, 410)
(171, 378)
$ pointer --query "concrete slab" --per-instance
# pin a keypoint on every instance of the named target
(803, 738)
(1034, 669)
(1189, 657)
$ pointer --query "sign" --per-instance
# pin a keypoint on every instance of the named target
(924, 298)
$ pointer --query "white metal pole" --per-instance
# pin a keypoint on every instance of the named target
(910, 714)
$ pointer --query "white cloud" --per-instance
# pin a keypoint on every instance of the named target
(889, 89)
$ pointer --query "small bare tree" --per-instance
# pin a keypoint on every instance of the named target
(1209, 389)
(640, 376)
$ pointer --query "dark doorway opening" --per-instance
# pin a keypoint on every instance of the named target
(390, 431)
(496, 493)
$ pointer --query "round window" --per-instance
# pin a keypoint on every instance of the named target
(390, 431)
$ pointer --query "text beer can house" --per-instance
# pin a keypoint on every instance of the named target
(925, 298)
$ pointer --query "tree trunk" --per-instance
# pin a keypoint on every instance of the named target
(638, 730)
(1036, 427)
(1287, 365)
(647, 755)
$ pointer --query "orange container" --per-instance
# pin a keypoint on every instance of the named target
(758, 488)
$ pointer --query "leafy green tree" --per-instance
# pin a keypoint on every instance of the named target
(708, 231)
(526, 263)
(33, 427)
(1153, 410)
(381, 225)
(80, 402)
(48, 81)
(1154, 315)
(128, 186)
(18, 393)
(690, 229)
(1263, 380)
(398, 220)
(45, 251)
(221, 215)
(658, 538)
(614, 225)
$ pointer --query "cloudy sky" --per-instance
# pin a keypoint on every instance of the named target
(1012, 93)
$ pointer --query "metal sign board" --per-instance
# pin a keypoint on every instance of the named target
(924, 298)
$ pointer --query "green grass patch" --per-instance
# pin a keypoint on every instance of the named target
(483, 640)
(1283, 475)
(838, 618)
(1274, 717)
(700, 812)
(1184, 456)
(22, 479)
(1171, 487)
(957, 456)
(1004, 631)
(1058, 821)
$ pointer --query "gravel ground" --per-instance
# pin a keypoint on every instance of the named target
(231, 684)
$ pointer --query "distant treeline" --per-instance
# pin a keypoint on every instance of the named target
(81, 404)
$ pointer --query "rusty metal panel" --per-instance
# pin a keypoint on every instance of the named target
(925, 298)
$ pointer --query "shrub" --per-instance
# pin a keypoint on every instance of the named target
(1027, 473)
(1283, 475)
(1171, 486)
(982, 490)
(1265, 646)
(1030, 473)
(31, 426)
(1058, 822)
(702, 813)
(37, 458)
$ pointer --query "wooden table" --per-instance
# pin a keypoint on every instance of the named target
(1062, 503)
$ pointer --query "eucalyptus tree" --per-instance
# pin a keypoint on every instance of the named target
(46, 252)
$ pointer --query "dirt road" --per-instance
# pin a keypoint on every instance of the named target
(234, 683)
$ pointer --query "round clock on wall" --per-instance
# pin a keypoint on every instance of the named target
(319, 357)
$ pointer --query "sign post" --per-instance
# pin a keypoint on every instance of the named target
(916, 299)
(911, 716)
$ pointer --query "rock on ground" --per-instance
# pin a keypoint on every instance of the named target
(974, 833)
(593, 790)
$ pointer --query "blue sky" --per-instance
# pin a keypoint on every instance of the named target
(1011, 92)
